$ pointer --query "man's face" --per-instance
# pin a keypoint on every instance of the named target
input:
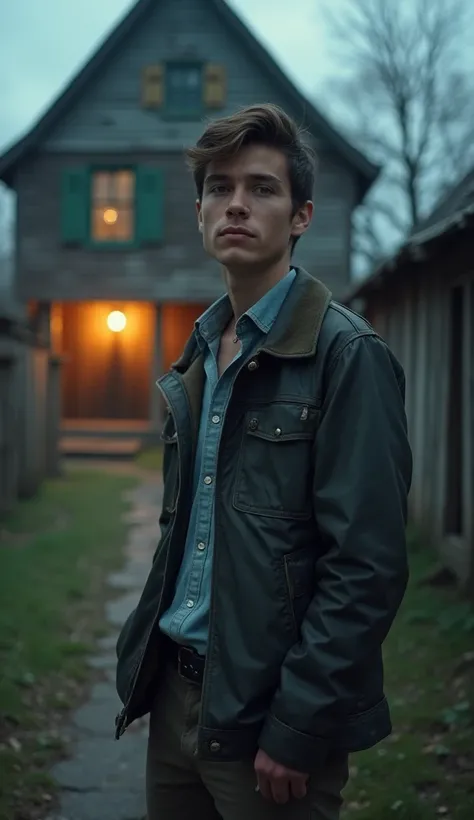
(246, 211)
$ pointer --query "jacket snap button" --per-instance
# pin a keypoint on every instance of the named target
(253, 365)
(278, 432)
(215, 746)
(253, 424)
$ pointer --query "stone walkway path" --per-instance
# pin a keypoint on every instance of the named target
(104, 778)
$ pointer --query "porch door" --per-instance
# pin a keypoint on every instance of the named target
(107, 372)
(177, 323)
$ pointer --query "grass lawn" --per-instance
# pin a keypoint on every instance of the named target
(55, 553)
(426, 769)
(151, 459)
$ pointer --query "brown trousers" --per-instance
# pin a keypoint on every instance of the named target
(179, 786)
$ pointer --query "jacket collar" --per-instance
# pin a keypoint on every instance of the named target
(296, 329)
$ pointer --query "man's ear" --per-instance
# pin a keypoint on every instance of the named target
(302, 219)
(199, 215)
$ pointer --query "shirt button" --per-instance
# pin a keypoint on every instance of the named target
(190, 604)
(215, 746)
(253, 424)
(201, 546)
(253, 365)
(208, 480)
(216, 419)
(278, 432)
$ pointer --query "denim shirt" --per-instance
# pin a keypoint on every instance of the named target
(187, 619)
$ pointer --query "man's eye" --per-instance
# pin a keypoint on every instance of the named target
(218, 189)
(263, 189)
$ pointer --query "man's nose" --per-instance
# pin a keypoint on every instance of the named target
(237, 205)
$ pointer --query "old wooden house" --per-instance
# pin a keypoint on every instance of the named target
(422, 303)
(107, 242)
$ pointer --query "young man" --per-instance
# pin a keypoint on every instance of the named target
(256, 644)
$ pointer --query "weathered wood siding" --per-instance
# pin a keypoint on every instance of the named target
(28, 418)
(108, 123)
(414, 316)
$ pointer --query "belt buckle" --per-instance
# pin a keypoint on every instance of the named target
(183, 650)
(183, 663)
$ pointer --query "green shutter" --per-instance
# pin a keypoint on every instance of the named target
(149, 205)
(75, 205)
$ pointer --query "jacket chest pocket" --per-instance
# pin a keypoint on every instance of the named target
(274, 469)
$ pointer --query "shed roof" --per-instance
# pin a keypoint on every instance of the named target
(453, 215)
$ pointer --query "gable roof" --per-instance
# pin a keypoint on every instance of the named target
(453, 215)
(363, 167)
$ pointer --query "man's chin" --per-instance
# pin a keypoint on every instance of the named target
(237, 257)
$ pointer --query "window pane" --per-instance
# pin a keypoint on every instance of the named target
(113, 211)
(100, 190)
(193, 78)
(124, 225)
(124, 185)
(184, 88)
(100, 229)
(110, 225)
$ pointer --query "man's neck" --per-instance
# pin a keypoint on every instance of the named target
(245, 289)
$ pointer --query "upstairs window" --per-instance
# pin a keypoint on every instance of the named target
(113, 206)
(184, 88)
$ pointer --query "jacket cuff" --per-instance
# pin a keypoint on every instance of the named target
(289, 747)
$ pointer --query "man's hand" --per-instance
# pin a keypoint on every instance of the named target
(278, 782)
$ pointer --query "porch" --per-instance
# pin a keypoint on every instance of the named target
(112, 353)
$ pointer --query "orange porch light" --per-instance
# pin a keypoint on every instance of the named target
(116, 321)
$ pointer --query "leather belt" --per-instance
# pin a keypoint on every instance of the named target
(188, 662)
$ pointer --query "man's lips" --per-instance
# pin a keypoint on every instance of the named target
(236, 232)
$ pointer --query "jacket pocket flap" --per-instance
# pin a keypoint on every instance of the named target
(283, 421)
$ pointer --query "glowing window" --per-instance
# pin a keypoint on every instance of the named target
(113, 206)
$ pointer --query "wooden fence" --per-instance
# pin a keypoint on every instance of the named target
(29, 412)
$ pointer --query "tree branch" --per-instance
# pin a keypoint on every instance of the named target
(411, 105)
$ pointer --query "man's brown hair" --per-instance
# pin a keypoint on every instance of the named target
(257, 125)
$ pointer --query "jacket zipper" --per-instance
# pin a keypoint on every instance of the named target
(121, 721)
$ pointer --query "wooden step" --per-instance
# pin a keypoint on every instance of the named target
(99, 447)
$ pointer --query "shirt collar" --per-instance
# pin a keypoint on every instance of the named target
(265, 311)
(263, 314)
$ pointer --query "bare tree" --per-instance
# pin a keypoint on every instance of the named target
(406, 101)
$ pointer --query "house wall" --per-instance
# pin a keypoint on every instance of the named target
(108, 123)
(414, 315)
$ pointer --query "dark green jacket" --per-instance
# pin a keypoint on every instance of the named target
(310, 560)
